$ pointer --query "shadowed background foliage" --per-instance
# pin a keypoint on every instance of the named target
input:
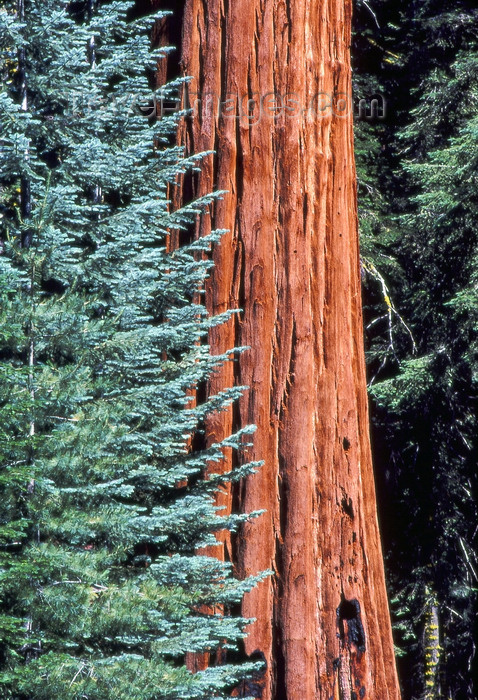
(417, 173)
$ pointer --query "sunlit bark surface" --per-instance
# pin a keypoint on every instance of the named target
(271, 95)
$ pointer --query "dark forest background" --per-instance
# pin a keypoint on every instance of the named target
(418, 204)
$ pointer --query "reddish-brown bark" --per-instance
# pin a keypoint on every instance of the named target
(290, 261)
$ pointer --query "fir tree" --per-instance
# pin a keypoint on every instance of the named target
(103, 504)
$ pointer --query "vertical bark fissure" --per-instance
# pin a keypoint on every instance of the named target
(224, 48)
(239, 176)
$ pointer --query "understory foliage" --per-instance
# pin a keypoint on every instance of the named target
(103, 504)
(417, 188)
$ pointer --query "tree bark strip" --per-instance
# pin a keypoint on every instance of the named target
(291, 262)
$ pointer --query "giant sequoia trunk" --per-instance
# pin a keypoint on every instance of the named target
(290, 261)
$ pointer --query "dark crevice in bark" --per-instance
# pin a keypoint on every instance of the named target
(288, 9)
(201, 96)
(198, 440)
(250, 89)
(279, 676)
(239, 166)
(291, 369)
(283, 499)
(224, 76)
(240, 263)
(236, 490)
(305, 211)
(257, 34)
(279, 692)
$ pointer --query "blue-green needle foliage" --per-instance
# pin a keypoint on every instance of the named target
(103, 505)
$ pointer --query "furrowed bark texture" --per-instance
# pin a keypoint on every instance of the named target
(290, 261)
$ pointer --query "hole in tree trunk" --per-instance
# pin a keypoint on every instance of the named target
(349, 612)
